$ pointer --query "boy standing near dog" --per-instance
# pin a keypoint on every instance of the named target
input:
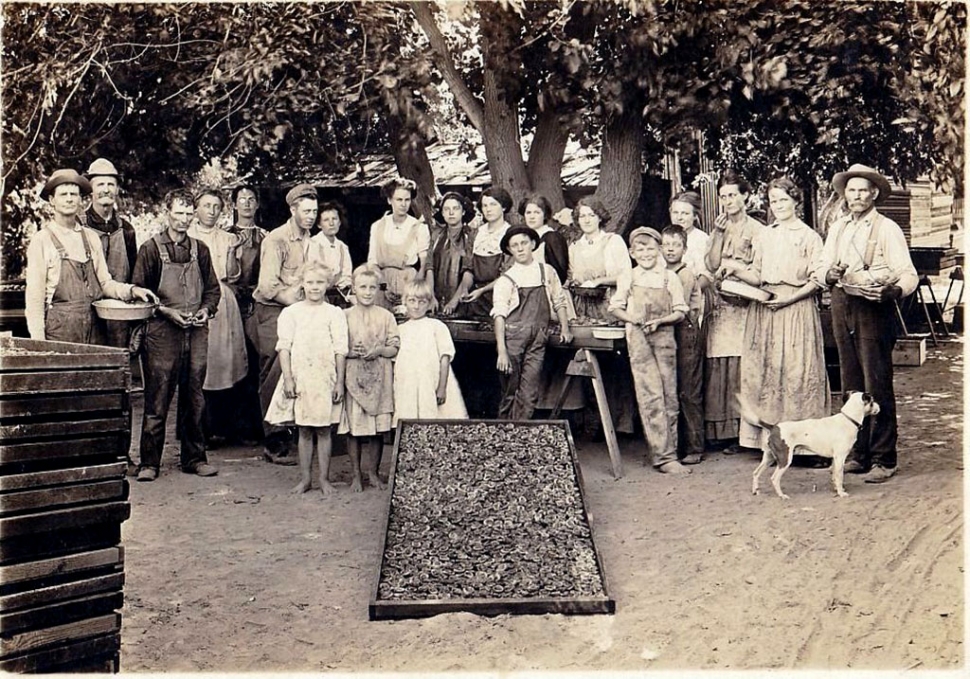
(868, 265)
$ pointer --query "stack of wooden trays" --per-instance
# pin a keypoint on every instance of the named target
(65, 418)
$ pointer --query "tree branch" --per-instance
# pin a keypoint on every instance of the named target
(470, 104)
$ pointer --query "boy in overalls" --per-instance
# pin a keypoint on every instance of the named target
(524, 300)
(179, 269)
(650, 300)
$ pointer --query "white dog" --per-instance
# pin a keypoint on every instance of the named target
(831, 437)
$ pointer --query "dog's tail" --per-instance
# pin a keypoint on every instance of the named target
(749, 414)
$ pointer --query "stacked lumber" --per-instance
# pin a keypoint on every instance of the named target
(64, 418)
(925, 214)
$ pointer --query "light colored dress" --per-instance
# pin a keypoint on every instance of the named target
(596, 256)
(369, 398)
(417, 365)
(314, 334)
(783, 358)
(226, 361)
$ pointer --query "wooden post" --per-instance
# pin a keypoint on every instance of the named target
(606, 419)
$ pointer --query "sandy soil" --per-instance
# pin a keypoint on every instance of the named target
(234, 573)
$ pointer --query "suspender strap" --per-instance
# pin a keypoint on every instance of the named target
(62, 251)
(870, 252)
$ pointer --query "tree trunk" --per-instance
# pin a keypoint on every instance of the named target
(620, 167)
(503, 147)
(546, 159)
(411, 156)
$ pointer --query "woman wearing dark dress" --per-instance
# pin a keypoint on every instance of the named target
(553, 250)
(451, 252)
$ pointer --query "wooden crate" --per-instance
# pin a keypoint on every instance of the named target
(909, 352)
(65, 419)
(384, 607)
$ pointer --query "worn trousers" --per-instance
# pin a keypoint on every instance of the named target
(653, 362)
(526, 345)
(691, 348)
(865, 335)
(174, 357)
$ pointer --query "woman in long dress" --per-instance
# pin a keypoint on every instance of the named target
(783, 358)
(451, 253)
(398, 242)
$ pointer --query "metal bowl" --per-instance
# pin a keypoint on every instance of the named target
(116, 310)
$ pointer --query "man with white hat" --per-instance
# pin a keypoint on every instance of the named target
(66, 269)
(869, 268)
(117, 235)
(282, 256)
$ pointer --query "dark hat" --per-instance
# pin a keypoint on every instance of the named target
(517, 231)
(645, 231)
(102, 167)
(857, 170)
(468, 210)
(300, 191)
(65, 176)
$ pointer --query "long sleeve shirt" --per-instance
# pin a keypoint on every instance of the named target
(505, 294)
(109, 226)
(846, 245)
(148, 267)
(44, 270)
(658, 277)
(282, 256)
(789, 254)
(336, 257)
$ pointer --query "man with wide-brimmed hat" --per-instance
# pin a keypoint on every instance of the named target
(116, 232)
(282, 256)
(869, 268)
(66, 269)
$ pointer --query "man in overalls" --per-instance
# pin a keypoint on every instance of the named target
(525, 300)
(117, 236)
(869, 267)
(282, 256)
(176, 342)
(66, 270)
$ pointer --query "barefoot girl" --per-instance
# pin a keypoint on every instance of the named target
(369, 407)
(312, 347)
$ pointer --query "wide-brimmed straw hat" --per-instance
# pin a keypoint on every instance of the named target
(858, 170)
(65, 176)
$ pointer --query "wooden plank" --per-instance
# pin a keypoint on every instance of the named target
(609, 433)
(61, 612)
(62, 565)
(46, 404)
(73, 381)
(69, 657)
(70, 429)
(58, 477)
(111, 582)
(58, 496)
(56, 543)
(76, 447)
(19, 353)
(81, 629)
(392, 610)
(63, 519)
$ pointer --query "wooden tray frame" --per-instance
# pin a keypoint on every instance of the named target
(385, 609)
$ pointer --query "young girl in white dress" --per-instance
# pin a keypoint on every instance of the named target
(424, 383)
(312, 347)
(369, 406)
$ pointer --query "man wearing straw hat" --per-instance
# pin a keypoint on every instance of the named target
(869, 268)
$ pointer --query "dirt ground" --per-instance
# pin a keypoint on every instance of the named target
(234, 573)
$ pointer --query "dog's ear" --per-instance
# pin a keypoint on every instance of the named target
(846, 395)
(866, 397)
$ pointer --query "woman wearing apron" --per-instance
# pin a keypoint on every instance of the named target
(398, 242)
(488, 260)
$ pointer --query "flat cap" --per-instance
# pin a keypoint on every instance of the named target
(645, 231)
(300, 191)
(65, 176)
(102, 167)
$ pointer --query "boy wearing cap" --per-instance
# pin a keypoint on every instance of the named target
(867, 252)
(650, 300)
(117, 235)
(283, 254)
(524, 300)
(66, 270)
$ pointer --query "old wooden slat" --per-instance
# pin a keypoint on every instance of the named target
(64, 381)
(18, 353)
(57, 477)
(63, 519)
(390, 610)
(59, 496)
(61, 565)
(61, 612)
(81, 629)
(46, 404)
(112, 582)
(95, 536)
(73, 656)
(76, 447)
(72, 429)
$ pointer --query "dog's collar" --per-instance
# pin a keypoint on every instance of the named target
(858, 425)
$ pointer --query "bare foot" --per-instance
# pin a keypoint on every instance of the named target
(326, 489)
(375, 480)
(301, 487)
(673, 468)
(356, 485)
